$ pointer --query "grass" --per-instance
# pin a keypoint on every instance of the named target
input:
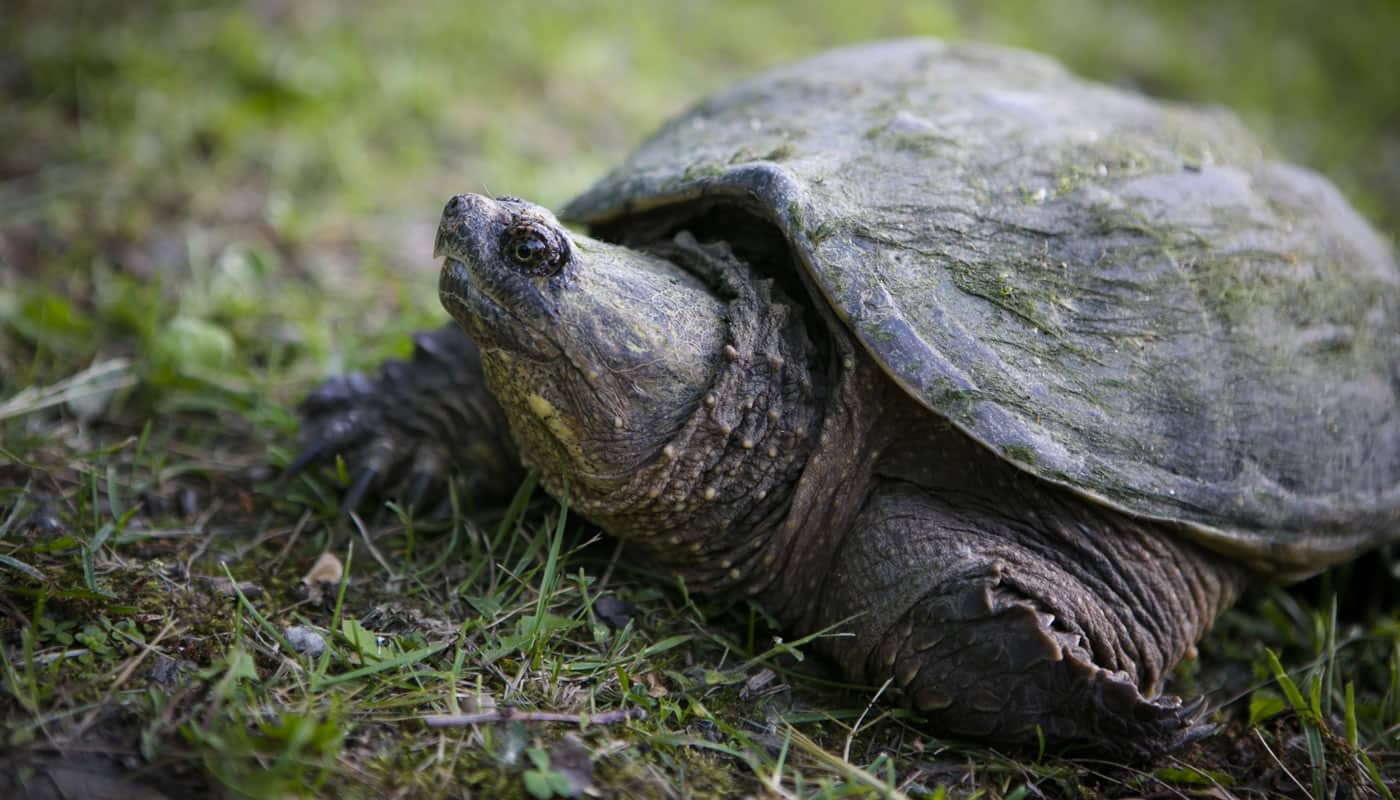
(207, 208)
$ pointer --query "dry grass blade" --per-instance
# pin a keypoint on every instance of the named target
(843, 767)
(96, 382)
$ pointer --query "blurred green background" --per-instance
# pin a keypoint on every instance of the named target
(211, 150)
(267, 108)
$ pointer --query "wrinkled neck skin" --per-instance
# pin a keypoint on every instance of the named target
(672, 395)
(702, 477)
(728, 499)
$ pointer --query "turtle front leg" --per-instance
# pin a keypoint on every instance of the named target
(1056, 620)
(406, 430)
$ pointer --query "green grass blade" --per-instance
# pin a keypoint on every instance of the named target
(394, 662)
(1290, 689)
(1350, 714)
(257, 616)
(20, 566)
(1374, 774)
(548, 580)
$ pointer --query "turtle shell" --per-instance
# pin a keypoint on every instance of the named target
(1118, 294)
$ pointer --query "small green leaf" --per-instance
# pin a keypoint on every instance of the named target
(669, 643)
(396, 662)
(537, 784)
(240, 665)
(1185, 776)
(486, 605)
(190, 346)
(559, 783)
(1263, 704)
(714, 677)
(531, 626)
(48, 318)
(364, 643)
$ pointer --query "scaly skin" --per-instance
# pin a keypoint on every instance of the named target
(682, 402)
(999, 604)
(413, 425)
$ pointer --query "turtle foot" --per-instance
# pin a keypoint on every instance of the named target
(406, 431)
(1012, 673)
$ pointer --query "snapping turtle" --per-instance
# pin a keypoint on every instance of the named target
(1012, 378)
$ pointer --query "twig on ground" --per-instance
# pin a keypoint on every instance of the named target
(846, 752)
(509, 715)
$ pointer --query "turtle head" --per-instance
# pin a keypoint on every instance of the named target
(597, 353)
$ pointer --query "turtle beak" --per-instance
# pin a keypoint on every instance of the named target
(450, 245)
(465, 220)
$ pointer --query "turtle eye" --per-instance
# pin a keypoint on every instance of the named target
(535, 249)
(528, 250)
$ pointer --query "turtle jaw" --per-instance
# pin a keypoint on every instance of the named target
(490, 324)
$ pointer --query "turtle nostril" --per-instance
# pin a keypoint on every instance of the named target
(456, 205)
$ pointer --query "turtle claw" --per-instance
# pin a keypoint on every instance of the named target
(375, 446)
(1196, 733)
(310, 454)
(1183, 726)
(419, 488)
(364, 478)
(1151, 729)
(1190, 711)
(425, 418)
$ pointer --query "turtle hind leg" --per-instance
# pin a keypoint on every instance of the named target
(1021, 617)
(405, 431)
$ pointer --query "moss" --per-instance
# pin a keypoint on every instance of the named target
(876, 333)
(796, 217)
(954, 403)
(998, 287)
(701, 171)
(782, 152)
(833, 227)
(1020, 454)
